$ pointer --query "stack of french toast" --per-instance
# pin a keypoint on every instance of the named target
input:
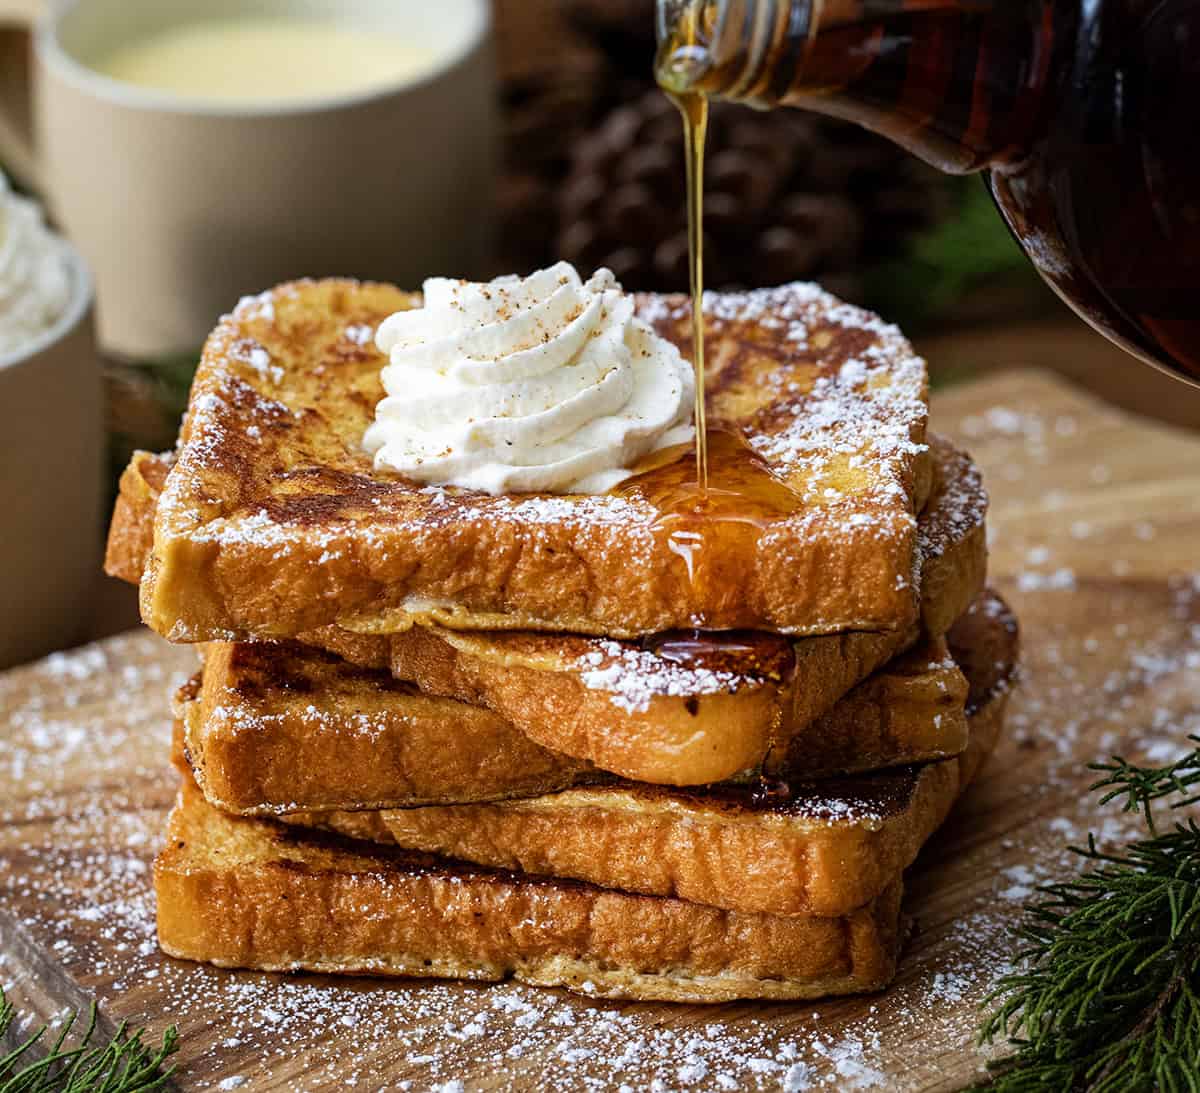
(575, 740)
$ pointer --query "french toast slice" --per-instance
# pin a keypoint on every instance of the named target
(273, 521)
(686, 710)
(252, 893)
(912, 710)
(275, 729)
(632, 708)
(269, 729)
(798, 848)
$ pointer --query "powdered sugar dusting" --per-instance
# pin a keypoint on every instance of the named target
(633, 676)
(260, 307)
(360, 334)
(864, 411)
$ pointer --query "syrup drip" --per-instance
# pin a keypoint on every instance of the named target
(714, 527)
(770, 791)
(711, 520)
(746, 653)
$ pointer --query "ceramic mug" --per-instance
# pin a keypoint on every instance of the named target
(52, 469)
(181, 205)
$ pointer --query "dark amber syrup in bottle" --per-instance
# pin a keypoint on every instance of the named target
(1085, 114)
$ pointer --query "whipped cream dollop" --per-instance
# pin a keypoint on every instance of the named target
(35, 276)
(547, 383)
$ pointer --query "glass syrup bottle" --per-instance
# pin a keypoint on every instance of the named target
(1084, 116)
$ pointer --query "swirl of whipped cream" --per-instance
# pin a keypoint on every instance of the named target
(35, 278)
(538, 384)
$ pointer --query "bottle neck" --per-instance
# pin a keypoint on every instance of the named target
(960, 83)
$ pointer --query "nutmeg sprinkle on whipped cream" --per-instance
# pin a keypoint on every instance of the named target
(545, 384)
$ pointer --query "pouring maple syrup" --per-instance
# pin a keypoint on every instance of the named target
(693, 109)
(711, 516)
(1082, 115)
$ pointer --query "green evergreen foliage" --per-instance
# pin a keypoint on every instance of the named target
(945, 265)
(66, 1064)
(1106, 992)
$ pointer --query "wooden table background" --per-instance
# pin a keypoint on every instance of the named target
(1095, 523)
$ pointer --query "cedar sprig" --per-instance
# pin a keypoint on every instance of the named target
(1106, 997)
(1142, 786)
(124, 1064)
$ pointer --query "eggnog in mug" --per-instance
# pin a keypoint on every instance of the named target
(266, 58)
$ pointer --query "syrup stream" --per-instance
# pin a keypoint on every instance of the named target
(694, 109)
(711, 524)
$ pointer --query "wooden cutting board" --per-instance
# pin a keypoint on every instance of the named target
(1095, 528)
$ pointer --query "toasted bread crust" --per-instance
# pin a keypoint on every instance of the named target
(819, 848)
(131, 531)
(254, 894)
(285, 727)
(273, 521)
(704, 726)
(953, 537)
(913, 710)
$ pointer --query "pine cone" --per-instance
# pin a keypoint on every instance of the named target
(787, 196)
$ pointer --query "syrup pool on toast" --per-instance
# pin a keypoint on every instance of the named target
(711, 520)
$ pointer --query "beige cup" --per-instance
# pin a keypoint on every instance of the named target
(52, 470)
(181, 206)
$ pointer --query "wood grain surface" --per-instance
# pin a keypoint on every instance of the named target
(1095, 525)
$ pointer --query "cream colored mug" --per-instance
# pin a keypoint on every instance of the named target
(181, 204)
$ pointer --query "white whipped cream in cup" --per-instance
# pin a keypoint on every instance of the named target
(544, 384)
(36, 278)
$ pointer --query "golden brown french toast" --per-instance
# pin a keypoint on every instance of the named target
(273, 521)
(131, 530)
(689, 709)
(796, 848)
(249, 893)
(676, 713)
(912, 710)
(285, 728)
(277, 728)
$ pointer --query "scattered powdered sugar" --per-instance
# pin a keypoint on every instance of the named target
(260, 307)
(1023, 881)
(360, 334)
(633, 676)
(958, 508)
(245, 718)
(1032, 581)
(250, 353)
(864, 406)
(868, 411)
(75, 881)
(599, 509)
